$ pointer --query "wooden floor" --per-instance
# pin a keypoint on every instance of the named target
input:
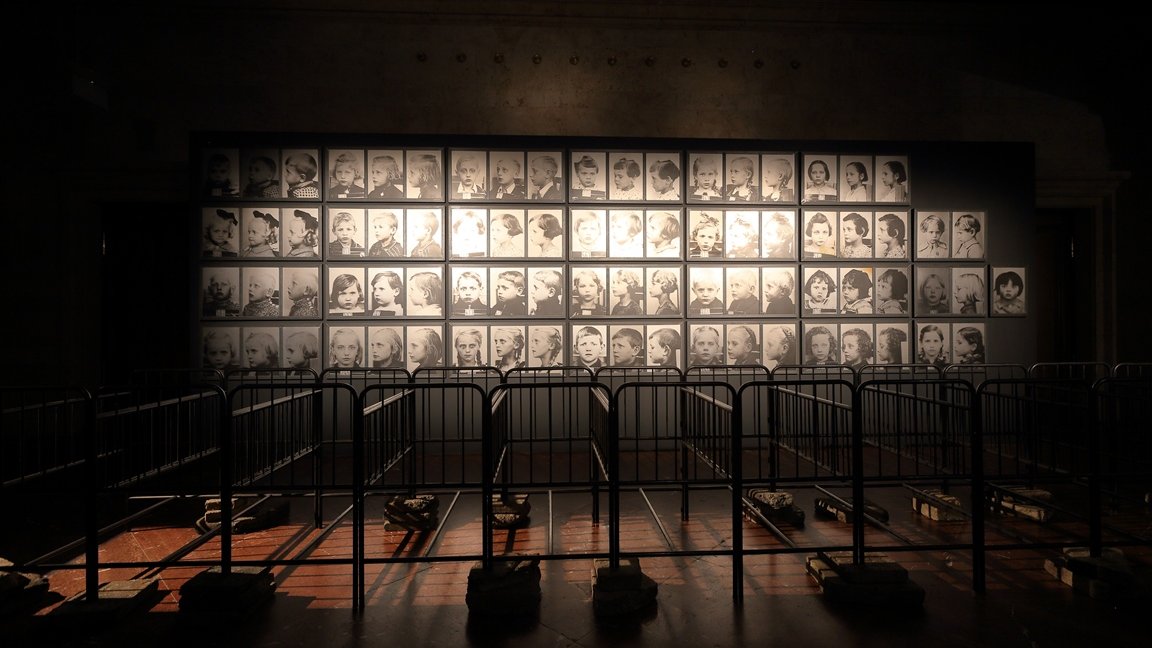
(420, 603)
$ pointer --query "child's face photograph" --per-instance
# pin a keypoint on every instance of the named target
(849, 233)
(383, 228)
(657, 353)
(345, 350)
(774, 348)
(961, 346)
(467, 289)
(818, 290)
(933, 290)
(259, 288)
(886, 177)
(738, 175)
(218, 173)
(506, 290)
(820, 233)
(587, 176)
(962, 234)
(380, 348)
(706, 176)
(705, 290)
(468, 171)
(540, 176)
(851, 293)
(883, 289)
(259, 172)
(539, 344)
(655, 227)
(621, 227)
(296, 288)
(498, 230)
(417, 351)
(294, 353)
(587, 289)
(619, 287)
(379, 174)
(622, 351)
(255, 354)
(344, 232)
(219, 231)
(540, 291)
(344, 174)
(821, 347)
(296, 231)
(348, 298)
(739, 287)
(851, 175)
(384, 293)
(588, 231)
(623, 181)
(219, 289)
(292, 176)
(660, 185)
(218, 352)
(706, 237)
(706, 346)
(933, 229)
(503, 343)
(850, 347)
(739, 346)
(931, 343)
(468, 349)
(257, 231)
(817, 173)
(1008, 290)
(588, 348)
(505, 174)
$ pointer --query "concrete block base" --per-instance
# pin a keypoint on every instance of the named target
(510, 588)
(622, 592)
(231, 595)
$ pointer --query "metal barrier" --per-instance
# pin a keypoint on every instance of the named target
(1132, 370)
(1031, 463)
(1087, 372)
(899, 372)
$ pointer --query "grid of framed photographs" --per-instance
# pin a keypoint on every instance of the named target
(414, 257)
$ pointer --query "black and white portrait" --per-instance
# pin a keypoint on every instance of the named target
(425, 233)
(627, 176)
(968, 234)
(345, 233)
(469, 175)
(626, 291)
(262, 294)
(260, 175)
(706, 180)
(892, 293)
(468, 237)
(891, 235)
(706, 345)
(589, 296)
(425, 291)
(260, 348)
(705, 234)
(706, 285)
(545, 233)
(589, 176)
(857, 347)
(933, 291)
(856, 290)
(778, 290)
(778, 177)
(742, 234)
(665, 345)
(386, 174)
(300, 233)
(741, 177)
(969, 291)
(1008, 296)
(346, 171)
(933, 344)
(856, 235)
(386, 226)
(545, 176)
(778, 234)
(425, 347)
(507, 181)
(664, 230)
(506, 235)
(892, 179)
(663, 170)
(546, 347)
(742, 343)
(345, 346)
(346, 294)
(779, 345)
(821, 292)
(820, 176)
(302, 348)
(546, 294)
(508, 346)
(892, 343)
(589, 345)
(221, 347)
(626, 233)
(932, 235)
(260, 230)
(743, 289)
(301, 293)
(220, 292)
(469, 291)
(664, 291)
(821, 344)
(425, 175)
(221, 173)
(301, 174)
(820, 233)
(220, 227)
(626, 345)
(386, 295)
(469, 345)
(856, 178)
(969, 343)
(588, 230)
(386, 348)
(508, 294)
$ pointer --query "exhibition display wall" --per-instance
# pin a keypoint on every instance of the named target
(345, 253)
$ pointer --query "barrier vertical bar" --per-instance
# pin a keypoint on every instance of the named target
(857, 478)
(91, 521)
(979, 562)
